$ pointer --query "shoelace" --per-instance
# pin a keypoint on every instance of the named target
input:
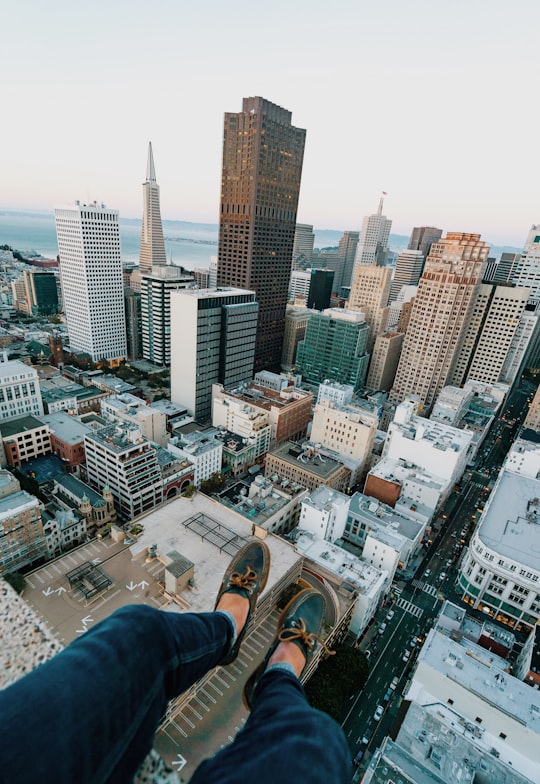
(298, 631)
(245, 581)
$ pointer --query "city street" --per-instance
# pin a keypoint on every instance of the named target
(416, 601)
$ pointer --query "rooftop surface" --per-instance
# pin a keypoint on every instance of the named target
(12, 427)
(66, 427)
(79, 489)
(307, 458)
(267, 398)
(510, 524)
(381, 517)
(335, 559)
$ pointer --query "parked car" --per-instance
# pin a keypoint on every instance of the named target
(406, 656)
(382, 627)
(427, 572)
(358, 758)
(389, 615)
(378, 713)
(442, 576)
(412, 642)
(387, 695)
(394, 683)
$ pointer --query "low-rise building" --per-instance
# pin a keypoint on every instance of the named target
(304, 464)
(25, 438)
(387, 537)
(19, 389)
(324, 513)
(243, 419)
(129, 408)
(201, 448)
(500, 572)
(72, 494)
(63, 529)
(288, 410)
(273, 507)
(60, 394)
(406, 488)
(347, 429)
(67, 437)
(22, 539)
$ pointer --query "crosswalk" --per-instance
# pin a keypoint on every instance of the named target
(422, 586)
(409, 607)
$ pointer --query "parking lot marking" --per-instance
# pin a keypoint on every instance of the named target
(213, 685)
(203, 691)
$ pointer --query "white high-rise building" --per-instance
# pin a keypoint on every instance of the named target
(526, 269)
(156, 290)
(373, 244)
(91, 276)
(410, 264)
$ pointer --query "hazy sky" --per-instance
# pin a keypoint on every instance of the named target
(433, 101)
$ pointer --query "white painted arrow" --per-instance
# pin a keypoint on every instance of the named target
(60, 590)
(143, 584)
(87, 620)
(131, 586)
(47, 592)
(96, 561)
(180, 762)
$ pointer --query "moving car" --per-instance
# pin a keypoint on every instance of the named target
(382, 627)
(389, 615)
(394, 683)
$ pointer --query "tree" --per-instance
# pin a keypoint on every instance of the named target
(336, 679)
(16, 580)
(213, 484)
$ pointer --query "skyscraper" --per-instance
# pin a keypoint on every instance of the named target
(304, 240)
(346, 253)
(369, 294)
(212, 342)
(156, 310)
(410, 264)
(422, 238)
(91, 275)
(152, 253)
(448, 291)
(260, 185)
(373, 243)
(334, 348)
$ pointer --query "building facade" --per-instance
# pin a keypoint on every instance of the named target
(152, 252)
(213, 334)
(92, 283)
(262, 166)
(19, 389)
(373, 243)
(156, 288)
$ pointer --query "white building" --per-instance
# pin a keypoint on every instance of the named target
(409, 266)
(19, 389)
(128, 408)
(413, 491)
(352, 572)
(91, 276)
(388, 537)
(299, 284)
(331, 391)
(120, 458)
(202, 449)
(324, 513)
(372, 246)
(348, 430)
(213, 333)
(243, 420)
(526, 269)
(439, 449)
(500, 573)
(479, 703)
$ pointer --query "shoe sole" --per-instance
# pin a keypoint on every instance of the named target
(251, 683)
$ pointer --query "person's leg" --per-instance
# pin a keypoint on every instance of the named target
(89, 714)
(284, 740)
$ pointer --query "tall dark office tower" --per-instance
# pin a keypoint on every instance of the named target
(260, 185)
(422, 238)
(346, 253)
(320, 288)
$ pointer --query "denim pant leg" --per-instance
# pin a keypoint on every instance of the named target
(90, 713)
(284, 740)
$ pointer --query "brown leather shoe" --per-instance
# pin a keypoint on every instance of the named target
(300, 623)
(246, 575)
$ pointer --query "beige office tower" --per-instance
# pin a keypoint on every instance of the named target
(445, 303)
(373, 244)
(296, 321)
(384, 361)
(498, 334)
(369, 295)
(152, 252)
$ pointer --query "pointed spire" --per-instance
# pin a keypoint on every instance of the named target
(381, 201)
(150, 170)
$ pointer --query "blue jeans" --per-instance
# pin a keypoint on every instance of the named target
(89, 714)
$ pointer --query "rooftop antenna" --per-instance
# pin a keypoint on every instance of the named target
(381, 201)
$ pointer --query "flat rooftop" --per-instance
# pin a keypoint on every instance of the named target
(346, 566)
(207, 534)
(66, 427)
(381, 517)
(266, 398)
(307, 459)
(510, 524)
(11, 427)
